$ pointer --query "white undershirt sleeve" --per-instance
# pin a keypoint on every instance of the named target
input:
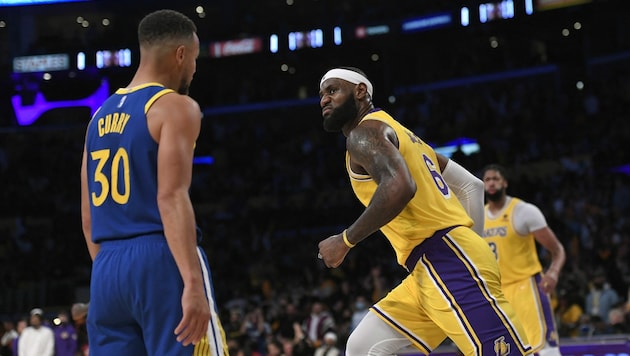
(528, 218)
(469, 190)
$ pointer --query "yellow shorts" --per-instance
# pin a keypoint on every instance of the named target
(455, 291)
(533, 309)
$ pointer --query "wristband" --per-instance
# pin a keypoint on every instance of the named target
(345, 239)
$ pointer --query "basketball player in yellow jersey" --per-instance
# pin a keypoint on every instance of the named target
(512, 227)
(419, 200)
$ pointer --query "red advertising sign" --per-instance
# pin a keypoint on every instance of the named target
(235, 47)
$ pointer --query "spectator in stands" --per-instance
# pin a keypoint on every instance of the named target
(66, 343)
(37, 339)
(329, 347)
(9, 334)
(317, 323)
(21, 324)
(601, 298)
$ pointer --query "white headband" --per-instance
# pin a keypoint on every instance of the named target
(349, 76)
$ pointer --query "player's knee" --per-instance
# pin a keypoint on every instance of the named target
(358, 345)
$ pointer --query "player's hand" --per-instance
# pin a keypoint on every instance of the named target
(196, 316)
(548, 282)
(333, 250)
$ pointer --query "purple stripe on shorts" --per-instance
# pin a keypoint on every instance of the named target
(545, 303)
(469, 297)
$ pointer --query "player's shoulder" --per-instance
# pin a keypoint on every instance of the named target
(178, 104)
(175, 98)
(526, 206)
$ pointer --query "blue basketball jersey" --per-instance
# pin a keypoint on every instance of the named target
(122, 166)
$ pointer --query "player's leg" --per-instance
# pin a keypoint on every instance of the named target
(373, 337)
(533, 309)
(112, 330)
(550, 351)
(158, 293)
(215, 339)
(395, 322)
(162, 287)
(461, 290)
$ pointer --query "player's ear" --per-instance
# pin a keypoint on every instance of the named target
(360, 91)
(180, 54)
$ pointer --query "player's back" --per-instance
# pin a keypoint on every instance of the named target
(122, 165)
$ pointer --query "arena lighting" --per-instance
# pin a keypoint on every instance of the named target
(464, 15)
(625, 169)
(273, 43)
(306, 39)
(34, 2)
(337, 36)
(477, 79)
(426, 22)
(542, 5)
(81, 61)
(529, 7)
(466, 145)
(28, 114)
(203, 160)
(496, 11)
(366, 31)
(119, 58)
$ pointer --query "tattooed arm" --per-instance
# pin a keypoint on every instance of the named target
(373, 148)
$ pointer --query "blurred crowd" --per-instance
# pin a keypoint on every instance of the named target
(277, 186)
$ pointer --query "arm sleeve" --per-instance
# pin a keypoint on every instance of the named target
(469, 190)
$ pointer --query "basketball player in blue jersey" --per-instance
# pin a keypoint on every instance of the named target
(513, 228)
(417, 198)
(151, 292)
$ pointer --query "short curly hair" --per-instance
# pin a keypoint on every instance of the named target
(164, 25)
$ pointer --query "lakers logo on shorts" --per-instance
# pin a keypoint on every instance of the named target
(501, 348)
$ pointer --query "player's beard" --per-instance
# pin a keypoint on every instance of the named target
(496, 196)
(184, 86)
(340, 116)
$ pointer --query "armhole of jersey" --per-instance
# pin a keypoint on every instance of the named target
(356, 176)
(155, 97)
(366, 177)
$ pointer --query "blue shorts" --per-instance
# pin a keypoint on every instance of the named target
(135, 301)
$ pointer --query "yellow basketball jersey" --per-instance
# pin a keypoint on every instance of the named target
(434, 206)
(515, 253)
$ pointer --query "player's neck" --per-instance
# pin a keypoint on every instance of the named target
(151, 74)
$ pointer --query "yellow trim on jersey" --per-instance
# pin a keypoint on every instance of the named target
(138, 87)
(155, 97)
(356, 176)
